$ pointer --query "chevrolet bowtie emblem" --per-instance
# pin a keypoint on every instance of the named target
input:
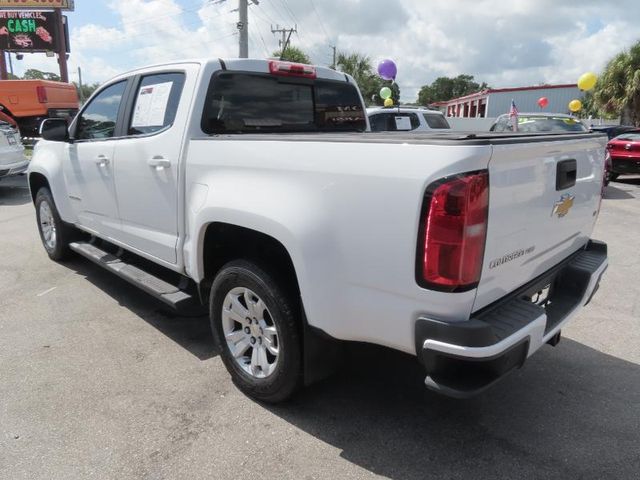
(562, 206)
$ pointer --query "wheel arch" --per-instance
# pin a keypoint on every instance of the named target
(224, 242)
(36, 182)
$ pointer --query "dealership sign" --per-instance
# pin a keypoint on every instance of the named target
(22, 31)
(31, 4)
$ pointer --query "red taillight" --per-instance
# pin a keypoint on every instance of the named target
(289, 69)
(42, 94)
(453, 232)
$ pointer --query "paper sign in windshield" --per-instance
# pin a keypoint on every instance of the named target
(151, 105)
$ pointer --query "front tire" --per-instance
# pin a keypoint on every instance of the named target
(255, 322)
(54, 233)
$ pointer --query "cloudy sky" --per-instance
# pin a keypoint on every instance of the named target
(505, 43)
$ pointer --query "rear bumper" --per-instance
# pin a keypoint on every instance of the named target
(464, 358)
(625, 164)
(19, 166)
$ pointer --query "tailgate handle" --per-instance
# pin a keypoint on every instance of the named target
(566, 173)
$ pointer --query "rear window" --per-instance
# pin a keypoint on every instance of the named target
(393, 122)
(436, 121)
(631, 137)
(257, 103)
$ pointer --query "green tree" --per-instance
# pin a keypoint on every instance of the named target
(87, 90)
(293, 54)
(35, 74)
(360, 68)
(618, 89)
(446, 88)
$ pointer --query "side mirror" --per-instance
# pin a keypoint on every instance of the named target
(54, 129)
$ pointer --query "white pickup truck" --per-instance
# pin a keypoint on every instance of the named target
(251, 188)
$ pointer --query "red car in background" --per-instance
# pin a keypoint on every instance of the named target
(624, 152)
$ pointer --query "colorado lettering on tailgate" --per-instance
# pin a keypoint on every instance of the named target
(511, 256)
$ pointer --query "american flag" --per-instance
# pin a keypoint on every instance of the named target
(513, 116)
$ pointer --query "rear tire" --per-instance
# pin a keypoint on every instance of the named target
(612, 177)
(54, 233)
(255, 322)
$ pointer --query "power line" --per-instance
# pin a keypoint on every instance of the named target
(126, 37)
(313, 5)
(286, 6)
(271, 20)
(153, 19)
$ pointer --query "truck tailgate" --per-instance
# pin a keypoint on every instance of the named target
(538, 213)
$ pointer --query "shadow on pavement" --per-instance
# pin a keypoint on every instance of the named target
(191, 333)
(611, 192)
(14, 191)
(628, 180)
(571, 412)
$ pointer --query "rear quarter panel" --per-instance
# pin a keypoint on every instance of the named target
(348, 215)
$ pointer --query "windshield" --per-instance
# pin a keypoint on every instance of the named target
(531, 124)
(258, 103)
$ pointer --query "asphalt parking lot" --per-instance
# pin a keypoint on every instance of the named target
(97, 380)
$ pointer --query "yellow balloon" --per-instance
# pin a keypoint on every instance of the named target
(587, 81)
(388, 102)
(575, 105)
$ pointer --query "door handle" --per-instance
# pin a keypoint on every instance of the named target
(101, 161)
(159, 162)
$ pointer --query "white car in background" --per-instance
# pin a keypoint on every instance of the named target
(12, 159)
(540, 122)
(416, 119)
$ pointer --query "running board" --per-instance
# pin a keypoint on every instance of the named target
(167, 293)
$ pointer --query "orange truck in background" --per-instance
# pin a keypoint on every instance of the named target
(28, 102)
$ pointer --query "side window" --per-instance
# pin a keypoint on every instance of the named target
(435, 120)
(98, 119)
(415, 121)
(156, 103)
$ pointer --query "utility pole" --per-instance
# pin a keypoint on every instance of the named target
(333, 65)
(80, 85)
(243, 26)
(286, 36)
(244, 29)
(4, 75)
(62, 46)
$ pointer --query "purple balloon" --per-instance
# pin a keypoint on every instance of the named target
(387, 69)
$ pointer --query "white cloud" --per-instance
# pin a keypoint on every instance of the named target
(514, 43)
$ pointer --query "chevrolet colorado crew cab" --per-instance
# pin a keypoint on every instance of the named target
(252, 189)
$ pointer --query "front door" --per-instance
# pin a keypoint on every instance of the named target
(146, 164)
(89, 164)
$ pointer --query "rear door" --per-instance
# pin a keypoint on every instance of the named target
(147, 162)
(544, 200)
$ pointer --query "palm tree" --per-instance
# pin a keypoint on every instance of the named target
(618, 88)
(359, 67)
(293, 54)
(356, 65)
